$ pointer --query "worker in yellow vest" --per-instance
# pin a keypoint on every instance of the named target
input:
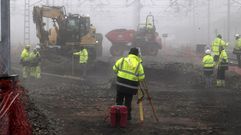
(25, 61)
(35, 60)
(222, 67)
(83, 59)
(129, 72)
(208, 67)
(237, 48)
(215, 46)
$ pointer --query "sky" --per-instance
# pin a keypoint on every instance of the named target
(185, 21)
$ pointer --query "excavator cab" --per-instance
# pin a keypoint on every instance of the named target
(73, 28)
(150, 25)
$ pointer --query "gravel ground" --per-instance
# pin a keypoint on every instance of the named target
(79, 107)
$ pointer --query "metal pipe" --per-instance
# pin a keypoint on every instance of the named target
(5, 38)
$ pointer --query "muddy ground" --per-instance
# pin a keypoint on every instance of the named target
(60, 106)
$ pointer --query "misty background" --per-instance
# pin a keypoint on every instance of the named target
(187, 22)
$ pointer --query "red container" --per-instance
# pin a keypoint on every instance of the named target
(120, 36)
(113, 113)
(118, 116)
(123, 114)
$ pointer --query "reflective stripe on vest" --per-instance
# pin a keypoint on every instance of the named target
(207, 69)
(128, 72)
(126, 85)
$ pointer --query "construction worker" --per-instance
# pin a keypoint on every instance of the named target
(129, 72)
(215, 46)
(208, 66)
(222, 66)
(25, 61)
(150, 23)
(35, 60)
(92, 28)
(83, 59)
(237, 48)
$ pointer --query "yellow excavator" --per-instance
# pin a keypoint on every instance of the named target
(67, 34)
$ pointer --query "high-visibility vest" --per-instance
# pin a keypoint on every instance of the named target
(223, 58)
(216, 44)
(83, 56)
(25, 55)
(238, 44)
(129, 68)
(35, 58)
(208, 61)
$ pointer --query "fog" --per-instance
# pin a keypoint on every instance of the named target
(185, 21)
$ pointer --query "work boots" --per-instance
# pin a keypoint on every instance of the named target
(129, 116)
(219, 83)
(223, 83)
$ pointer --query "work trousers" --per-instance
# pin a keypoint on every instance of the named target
(84, 67)
(120, 97)
(208, 78)
(26, 71)
(36, 72)
(239, 60)
(221, 73)
(215, 58)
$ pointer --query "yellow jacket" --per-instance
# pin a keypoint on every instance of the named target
(25, 55)
(83, 56)
(215, 45)
(238, 44)
(208, 61)
(223, 58)
(129, 68)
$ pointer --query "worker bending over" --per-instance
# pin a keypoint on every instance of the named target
(129, 72)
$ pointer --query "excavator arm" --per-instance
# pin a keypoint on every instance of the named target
(57, 14)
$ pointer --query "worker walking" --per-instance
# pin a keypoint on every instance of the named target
(237, 48)
(208, 67)
(215, 46)
(35, 60)
(25, 61)
(83, 59)
(222, 67)
(129, 72)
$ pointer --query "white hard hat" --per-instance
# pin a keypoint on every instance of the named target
(37, 47)
(208, 51)
(27, 46)
(237, 35)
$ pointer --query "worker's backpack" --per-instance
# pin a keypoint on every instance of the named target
(118, 116)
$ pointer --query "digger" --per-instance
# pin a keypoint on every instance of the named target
(67, 34)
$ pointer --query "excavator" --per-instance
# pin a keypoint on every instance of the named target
(67, 34)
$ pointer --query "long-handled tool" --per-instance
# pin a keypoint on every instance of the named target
(144, 85)
(139, 102)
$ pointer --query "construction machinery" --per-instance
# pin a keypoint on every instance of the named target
(67, 34)
(146, 38)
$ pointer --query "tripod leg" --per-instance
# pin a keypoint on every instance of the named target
(150, 100)
(141, 112)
